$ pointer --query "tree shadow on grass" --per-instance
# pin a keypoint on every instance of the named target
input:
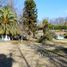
(62, 49)
(5, 61)
(55, 57)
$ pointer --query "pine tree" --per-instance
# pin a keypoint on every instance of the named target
(30, 16)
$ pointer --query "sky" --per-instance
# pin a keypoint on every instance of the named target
(46, 8)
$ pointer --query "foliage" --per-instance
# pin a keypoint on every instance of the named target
(8, 21)
(47, 35)
(51, 26)
(57, 27)
(65, 35)
(45, 26)
(30, 16)
(60, 27)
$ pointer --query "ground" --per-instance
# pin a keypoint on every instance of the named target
(32, 54)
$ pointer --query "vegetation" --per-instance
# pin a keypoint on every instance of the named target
(58, 26)
(29, 53)
(30, 16)
(65, 35)
(8, 21)
(46, 32)
(47, 35)
(9, 25)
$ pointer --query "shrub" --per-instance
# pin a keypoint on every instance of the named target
(44, 38)
(65, 35)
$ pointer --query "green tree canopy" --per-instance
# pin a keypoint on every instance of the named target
(8, 21)
(46, 33)
(30, 15)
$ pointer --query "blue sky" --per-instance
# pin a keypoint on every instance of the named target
(46, 8)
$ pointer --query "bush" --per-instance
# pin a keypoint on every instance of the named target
(44, 38)
(65, 35)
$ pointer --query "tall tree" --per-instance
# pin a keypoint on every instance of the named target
(30, 16)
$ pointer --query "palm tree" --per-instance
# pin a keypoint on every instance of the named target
(46, 32)
(8, 21)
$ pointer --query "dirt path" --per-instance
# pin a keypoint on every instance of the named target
(28, 55)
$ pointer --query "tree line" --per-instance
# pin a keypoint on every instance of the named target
(9, 21)
(9, 24)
